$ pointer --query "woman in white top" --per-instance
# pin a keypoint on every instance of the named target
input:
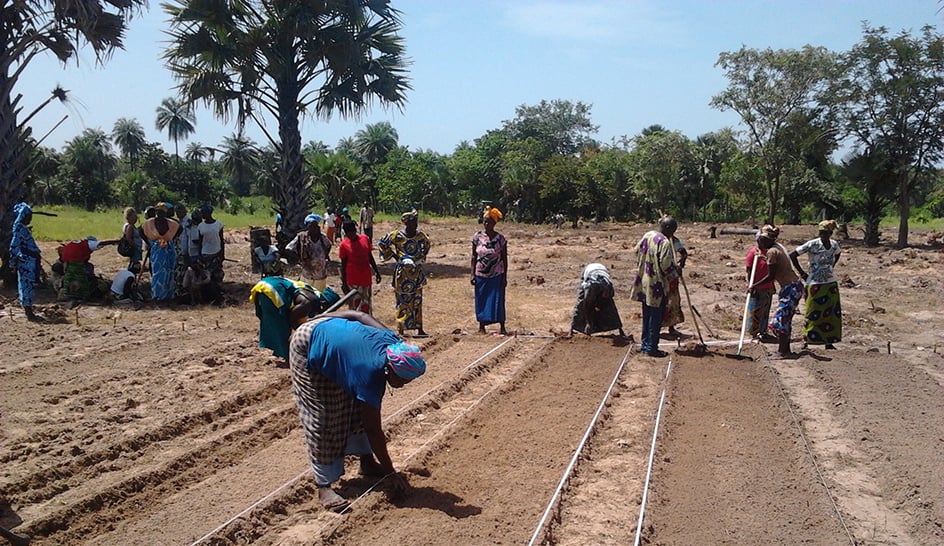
(823, 309)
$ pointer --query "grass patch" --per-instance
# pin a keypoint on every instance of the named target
(77, 223)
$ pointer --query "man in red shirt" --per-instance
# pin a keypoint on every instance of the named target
(357, 262)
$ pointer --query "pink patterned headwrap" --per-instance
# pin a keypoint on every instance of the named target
(406, 360)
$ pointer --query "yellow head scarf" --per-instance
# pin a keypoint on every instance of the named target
(828, 225)
(493, 213)
(409, 215)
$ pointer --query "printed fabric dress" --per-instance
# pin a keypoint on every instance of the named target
(489, 277)
(26, 266)
(823, 307)
(409, 276)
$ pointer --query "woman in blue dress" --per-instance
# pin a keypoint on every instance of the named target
(24, 258)
(160, 232)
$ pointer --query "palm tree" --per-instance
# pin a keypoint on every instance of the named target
(285, 60)
(240, 161)
(371, 146)
(335, 177)
(196, 152)
(88, 166)
(177, 118)
(374, 142)
(26, 30)
(128, 135)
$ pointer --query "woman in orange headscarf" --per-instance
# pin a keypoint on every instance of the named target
(490, 272)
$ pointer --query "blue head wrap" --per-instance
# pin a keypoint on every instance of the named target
(313, 219)
(406, 360)
(329, 297)
(21, 210)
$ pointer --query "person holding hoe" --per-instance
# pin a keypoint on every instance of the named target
(655, 269)
(791, 288)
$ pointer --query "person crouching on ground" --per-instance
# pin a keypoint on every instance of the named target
(595, 310)
(79, 278)
(283, 305)
(655, 269)
(124, 286)
(341, 364)
(791, 289)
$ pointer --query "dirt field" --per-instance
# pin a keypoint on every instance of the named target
(170, 426)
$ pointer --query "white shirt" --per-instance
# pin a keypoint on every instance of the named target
(118, 284)
(210, 235)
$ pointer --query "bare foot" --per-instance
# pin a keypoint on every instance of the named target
(783, 356)
(331, 500)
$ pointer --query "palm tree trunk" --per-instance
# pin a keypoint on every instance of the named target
(11, 181)
(292, 188)
(904, 207)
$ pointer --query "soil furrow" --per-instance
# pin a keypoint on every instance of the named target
(516, 444)
(595, 508)
(727, 438)
(239, 484)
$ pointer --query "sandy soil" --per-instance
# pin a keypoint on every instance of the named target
(143, 426)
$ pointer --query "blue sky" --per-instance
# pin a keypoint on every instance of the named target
(473, 62)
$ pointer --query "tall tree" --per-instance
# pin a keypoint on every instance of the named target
(286, 60)
(240, 161)
(88, 168)
(196, 152)
(891, 102)
(767, 87)
(870, 193)
(128, 135)
(562, 126)
(371, 146)
(374, 142)
(28, 29)
(177, 118)
(661, 165)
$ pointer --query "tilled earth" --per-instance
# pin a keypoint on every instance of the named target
(144, 426)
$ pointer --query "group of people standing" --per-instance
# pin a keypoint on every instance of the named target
(661, 256)
(768, 262)
(184, 253)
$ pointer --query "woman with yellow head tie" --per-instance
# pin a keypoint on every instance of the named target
(409, 247)
(823, 309)
(489, 272)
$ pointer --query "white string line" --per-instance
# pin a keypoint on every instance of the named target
(652, 454)
(440, 385)
(580, 447)
(809, 452)
(292, 481)
(445, 428)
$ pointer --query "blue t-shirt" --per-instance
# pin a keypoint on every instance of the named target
(352, 355)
